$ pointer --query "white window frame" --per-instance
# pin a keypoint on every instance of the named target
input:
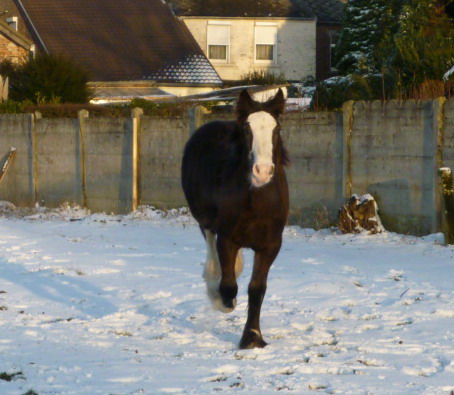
(227, 25)
(332, 46)
(258, 41)
(13, 22)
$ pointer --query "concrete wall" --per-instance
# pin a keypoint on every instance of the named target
(18, 184)
(57, 161)
(393, 157)
(296, 44)
(161, 146)
(390, 150)
(315, 144)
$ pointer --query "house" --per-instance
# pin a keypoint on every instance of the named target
(293, 38)
(134, 48)
(14, 45)
(329, 15)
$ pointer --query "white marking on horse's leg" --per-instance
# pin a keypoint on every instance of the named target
(212, 274)
(212, 270)
(239, 263)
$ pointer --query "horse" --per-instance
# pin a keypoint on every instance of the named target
(234, 181)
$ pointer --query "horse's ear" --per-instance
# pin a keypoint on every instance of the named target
(276, 105)
(245, 104)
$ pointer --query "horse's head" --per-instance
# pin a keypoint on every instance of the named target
(260, 123)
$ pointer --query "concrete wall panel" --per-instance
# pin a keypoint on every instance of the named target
(161, 150)
(17, 185)
(58, 161)
(108, 164)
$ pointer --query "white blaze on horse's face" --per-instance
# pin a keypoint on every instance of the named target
(262, 125)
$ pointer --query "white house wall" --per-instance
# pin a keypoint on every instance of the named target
(296, 44)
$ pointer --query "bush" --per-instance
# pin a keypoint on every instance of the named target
(333, 92)
(13, 107)
(50, 79)
(262, 77)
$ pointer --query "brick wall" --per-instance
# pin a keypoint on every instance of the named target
(10, 50)
(323, 61)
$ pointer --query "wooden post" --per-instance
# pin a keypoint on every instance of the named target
(136, 114)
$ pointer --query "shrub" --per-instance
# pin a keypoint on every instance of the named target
(50, 79)
(262, 77)
(333, 92)
(13, 107)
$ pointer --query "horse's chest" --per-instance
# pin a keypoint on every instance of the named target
(260, 224)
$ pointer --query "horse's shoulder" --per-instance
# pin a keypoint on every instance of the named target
(217, 128)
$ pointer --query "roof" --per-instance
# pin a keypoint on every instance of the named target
(241, 8)
(120, 41)
(121, 91)
(330, 11)
(323, 10)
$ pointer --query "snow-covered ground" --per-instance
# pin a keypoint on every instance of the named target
(97, 304)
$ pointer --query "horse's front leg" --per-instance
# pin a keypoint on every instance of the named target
(228, 288)
(263, 259)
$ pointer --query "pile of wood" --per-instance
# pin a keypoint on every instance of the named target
(360, 214)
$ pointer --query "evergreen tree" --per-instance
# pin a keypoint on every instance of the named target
(424, 43)
(363, 29)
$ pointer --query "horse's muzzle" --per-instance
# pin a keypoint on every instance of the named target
(262, 174)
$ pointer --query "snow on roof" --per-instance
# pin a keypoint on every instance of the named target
(194, 69)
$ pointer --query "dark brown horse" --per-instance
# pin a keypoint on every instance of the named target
(234, 181)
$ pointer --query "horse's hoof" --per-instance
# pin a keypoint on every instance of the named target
(252, 338)
(219, 305)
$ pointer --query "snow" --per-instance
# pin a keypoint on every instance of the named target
(99, 304)
(449, 74)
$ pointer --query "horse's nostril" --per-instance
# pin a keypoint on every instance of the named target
(263, 171)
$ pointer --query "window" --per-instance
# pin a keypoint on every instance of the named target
(333, 36)
(12, 22)
(218, 41)
(265, 42)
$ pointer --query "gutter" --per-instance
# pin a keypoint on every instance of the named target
(32, 26)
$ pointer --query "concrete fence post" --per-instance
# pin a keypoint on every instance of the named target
(439, 135)
(82, 116)
(348, 120)
(35, 172)
(196, 118)
(136, 115)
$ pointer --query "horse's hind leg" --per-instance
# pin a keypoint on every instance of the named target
(252, 335)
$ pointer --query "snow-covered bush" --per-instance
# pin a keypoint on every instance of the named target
(333, 92)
